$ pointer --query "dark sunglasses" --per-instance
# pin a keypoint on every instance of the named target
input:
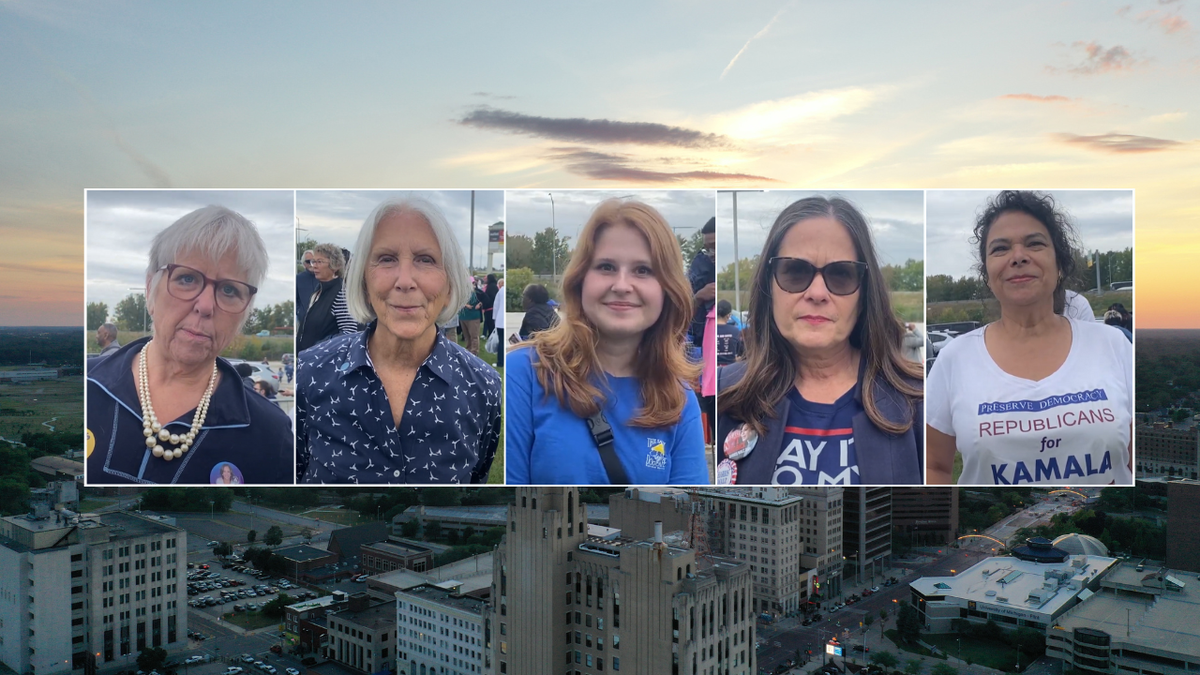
(795, 275)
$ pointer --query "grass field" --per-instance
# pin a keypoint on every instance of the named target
(988, 653)
(907, 305)
(986, 311)
(496, 473)
(46, 400)
(250, 620)
(345, 517)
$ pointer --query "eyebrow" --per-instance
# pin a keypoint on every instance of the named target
(1006, 240)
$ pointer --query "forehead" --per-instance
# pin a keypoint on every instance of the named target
(225, 267)
(1015, 225)
(404, 230)
(818, 240)
(620, 241)
(307, 255)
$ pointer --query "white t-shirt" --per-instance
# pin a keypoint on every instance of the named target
(1071, 428)
(1078, 308)
(498, 310)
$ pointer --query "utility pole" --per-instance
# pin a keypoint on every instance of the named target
(554, 244)
(737, 281)
(471, 259)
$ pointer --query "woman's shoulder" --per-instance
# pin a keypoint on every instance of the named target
(328, 351)
(267, 413)
(962, 344)
(483, 374)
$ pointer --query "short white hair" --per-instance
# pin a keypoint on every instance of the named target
(211, 232)
(358, 299)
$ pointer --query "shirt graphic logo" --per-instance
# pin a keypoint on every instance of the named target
(1088, 396)
(656, 456)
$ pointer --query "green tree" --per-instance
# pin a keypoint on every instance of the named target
(943, 669)
(907, 621)
(518, 252)
(441, 496)
(550, 252)
(97, 314)
(410, 528)
(131, 313)
(746, 268)
(274, 608)
(868, 620)
(913, 666)
(885, 659)
(306, 533)
(251, 536)
(691, 246)
(301, 247)
(223, 548)
(433, 530)
(515, 281)
(151, 658)
(274, 536)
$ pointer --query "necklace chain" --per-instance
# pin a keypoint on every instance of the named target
(154, 431)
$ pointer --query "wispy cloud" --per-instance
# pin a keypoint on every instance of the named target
(758, 35)
(793, 117)
(1034, 98)
(605, 166)
(1098, 60)
(1120, 143)
(583, 130)
(1168, 21)
(488, 94)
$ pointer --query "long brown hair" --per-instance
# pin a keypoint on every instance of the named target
(771, 362)
(567, 365)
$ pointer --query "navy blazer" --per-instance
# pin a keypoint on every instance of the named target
(883, 458)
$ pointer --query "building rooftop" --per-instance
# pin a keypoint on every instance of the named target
(398, 549)
(302, 553)
(445, 598)
(52, 464)
(770, 496)
(323, 601)
(1166, 622)
(123, 525)
(374, 617)
(1020, 584)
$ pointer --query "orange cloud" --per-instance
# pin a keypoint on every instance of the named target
(1120, 143)
(1034, 98)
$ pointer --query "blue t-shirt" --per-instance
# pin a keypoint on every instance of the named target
(547, 444)
(818, 442)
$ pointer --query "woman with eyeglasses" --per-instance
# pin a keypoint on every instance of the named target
(328, 314)
(824, 396)
(166, 409)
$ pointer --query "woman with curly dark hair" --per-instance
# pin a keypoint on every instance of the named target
(1034, 397)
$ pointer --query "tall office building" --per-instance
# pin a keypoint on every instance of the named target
(821, 527)
(925, 516)
(867, 530)
(1183, 525)
(566, 603)
(83, 592)
(439, 630)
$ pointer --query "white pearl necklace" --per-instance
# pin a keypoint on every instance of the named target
(155, 432)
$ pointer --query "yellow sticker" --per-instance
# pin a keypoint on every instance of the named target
(659, 448)
(91, 443)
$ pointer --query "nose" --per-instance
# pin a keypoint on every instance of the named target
(405, 274)
(817, 291)
(206, 303)
(622, 282)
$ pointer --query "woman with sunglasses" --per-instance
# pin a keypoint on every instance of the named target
(166, 409)
(327, 313)
(601, 398)
(824, 396)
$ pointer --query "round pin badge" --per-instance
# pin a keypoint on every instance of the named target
(727, 472)
(91, 443)
(740, 442)
(225, 473)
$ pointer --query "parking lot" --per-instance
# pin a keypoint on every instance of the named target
(214, 591)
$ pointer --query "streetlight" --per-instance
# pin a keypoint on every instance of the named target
(554, 244)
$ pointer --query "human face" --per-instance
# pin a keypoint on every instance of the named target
(710, 243)
(321, 269)
(193, 332)
(406, 276)
(621, 295)
(816, 321)
(1020, 262)
(101, 337)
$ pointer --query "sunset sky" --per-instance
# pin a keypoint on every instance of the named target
(805, 96)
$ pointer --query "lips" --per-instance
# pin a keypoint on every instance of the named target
(621, 306)
(195, 334)
(815, 319)
(1021, 278)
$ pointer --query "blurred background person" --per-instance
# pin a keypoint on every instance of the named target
(469, 318)
(539, 315)
(106, 336)
(327, 314)
(729, 336)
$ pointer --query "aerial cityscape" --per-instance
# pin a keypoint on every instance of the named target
(636, 580)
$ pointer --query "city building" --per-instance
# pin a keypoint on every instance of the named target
(1163, 450)
(362, 635)
(566, 603)
(385, 556)
(1031, 588)
(821, 527)
(472, 576)
(78, 592)
(451, 518)
(634, 511)
(302, 558)
(1141, 623)
(439, 630)
(347, 542)
(765, 527)
(29, 374)
(1183, 525)
(58, 469)
(925, 516)
(866, 530)
(306, 619)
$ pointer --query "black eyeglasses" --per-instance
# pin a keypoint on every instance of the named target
(185, 283)
(795, 275)
(307, 262)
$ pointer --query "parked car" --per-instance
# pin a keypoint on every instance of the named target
(939, 339)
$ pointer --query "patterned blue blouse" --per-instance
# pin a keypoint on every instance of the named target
(346, 434)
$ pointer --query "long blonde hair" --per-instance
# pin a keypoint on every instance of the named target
(567, 364)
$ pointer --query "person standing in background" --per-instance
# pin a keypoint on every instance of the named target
(106, 335)
(702, 274)
(306, 285)
(498, 318)
(469, 317)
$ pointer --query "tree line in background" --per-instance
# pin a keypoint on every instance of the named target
(548, 253)
(131, 315)
(1112, 266)
(906, 277)
(54, 346)
(1167, 382)
(17, 476)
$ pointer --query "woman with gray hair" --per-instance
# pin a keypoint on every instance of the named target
(166, 409)
(327, 314)
(399, 402)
